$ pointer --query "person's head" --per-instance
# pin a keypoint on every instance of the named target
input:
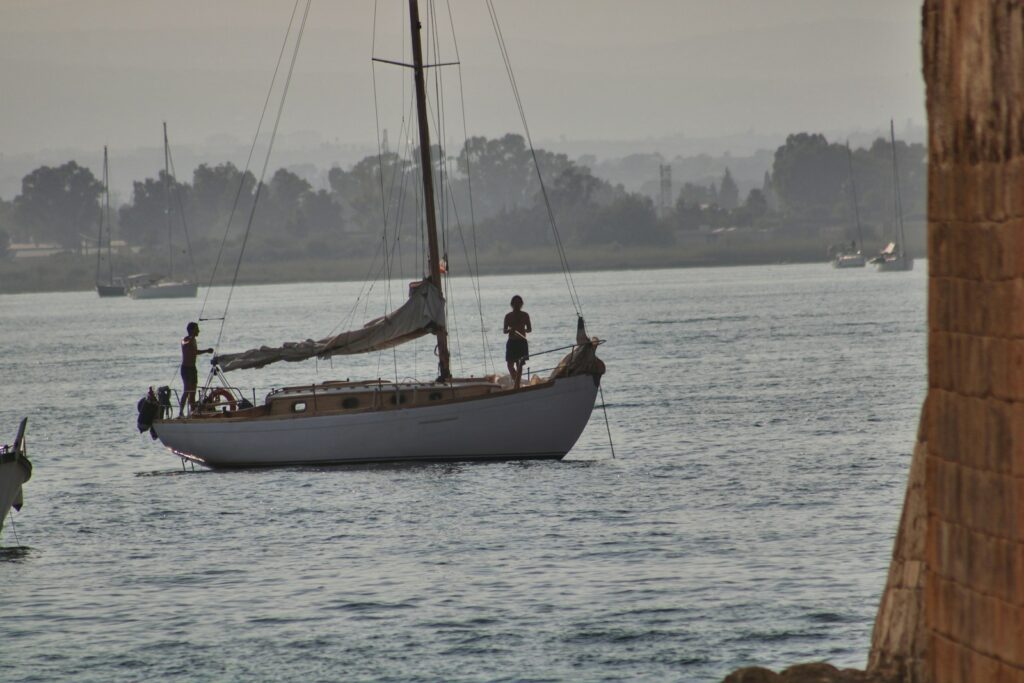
(517, 302)
(192, 329)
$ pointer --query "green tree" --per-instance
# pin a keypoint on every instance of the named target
(144, 220)
(629, 220)
(728, 192)
(809, 175)
(214, 189)
(282, 203)
(9, 222)
(59, 204)
(359, 191)
(503, 174)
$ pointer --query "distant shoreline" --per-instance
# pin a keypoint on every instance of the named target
(70, 272)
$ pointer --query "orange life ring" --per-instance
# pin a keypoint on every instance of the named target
(219, 396)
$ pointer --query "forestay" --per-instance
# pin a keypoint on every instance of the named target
(421, 314)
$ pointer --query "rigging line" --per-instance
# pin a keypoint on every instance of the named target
(439, 121)
(266, 160)
(380, 168)
(181, 212)
(248, 161)
(607, 426)
(475, 277)
(442, 165)
(566, 272)
(522, 114)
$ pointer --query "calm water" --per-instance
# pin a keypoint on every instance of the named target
(763, 420)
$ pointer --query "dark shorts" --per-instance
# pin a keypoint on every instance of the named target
(189, 377)
(516, 349)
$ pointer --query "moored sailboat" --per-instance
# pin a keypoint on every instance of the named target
(15, 470)
(449, 418)
(151, 286)
(854, 258)
(894, 257)
(112, 286)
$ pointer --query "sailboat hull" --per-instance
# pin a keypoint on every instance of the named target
(165, 290)
(543, 421)
(849, 261)
(895, 265)
(12, 476)
(110, 290)
(15, 470)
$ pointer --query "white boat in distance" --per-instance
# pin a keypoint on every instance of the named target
(149, 286)
(15, 470)
(894, 258)
(374, 421)
(854, 260)
(144, 286)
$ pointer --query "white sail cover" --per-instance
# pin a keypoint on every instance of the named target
(420, 315)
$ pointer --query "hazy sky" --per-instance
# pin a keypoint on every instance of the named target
(83, 73)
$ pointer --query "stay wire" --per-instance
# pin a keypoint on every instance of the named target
(607, 426)
(245, 170)
(563, 258)
(266, 161)
(443, 184)
(181, 212)
(474, 266)
(474, 276)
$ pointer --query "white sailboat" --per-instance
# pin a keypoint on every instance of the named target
(894, 257)
(371, 421)
(151, 286)
(15, 470)
(112, 286)
(854, 258)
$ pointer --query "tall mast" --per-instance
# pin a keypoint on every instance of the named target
(106, 216)
(428, 181)
(167, 199)
(99, 237)
(900, 245)
(853, 186)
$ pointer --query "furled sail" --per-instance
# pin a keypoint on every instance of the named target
(420, 315)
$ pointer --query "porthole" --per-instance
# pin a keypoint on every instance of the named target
(435, 396)
(350, 403)
(299, 407)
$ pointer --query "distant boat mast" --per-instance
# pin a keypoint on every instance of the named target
(853, 187)
(900, 248)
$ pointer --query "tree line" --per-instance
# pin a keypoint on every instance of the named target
(491, 184)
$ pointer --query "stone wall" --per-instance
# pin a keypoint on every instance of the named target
(962, 617)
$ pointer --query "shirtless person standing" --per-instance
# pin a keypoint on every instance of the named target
(189, 375)
(517, 350)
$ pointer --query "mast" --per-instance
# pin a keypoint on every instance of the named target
(99, 237)
(853, 186)
(106, 216)
(428, 181)
(167, 199)
(896, 192)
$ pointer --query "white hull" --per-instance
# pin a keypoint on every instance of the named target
(15, 470)
(849, 261)
(543, 421)
(165, 290)
(895, 265)
(12, 476)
